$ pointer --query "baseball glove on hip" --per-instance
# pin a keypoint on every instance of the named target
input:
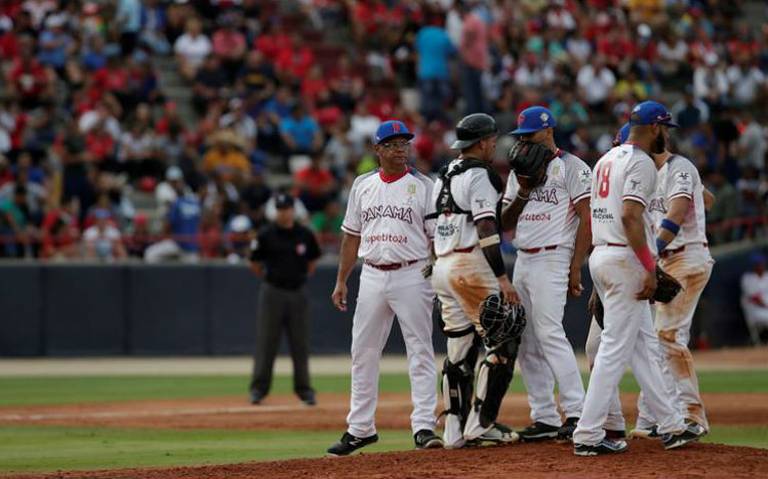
(667, 287)
(529, 162)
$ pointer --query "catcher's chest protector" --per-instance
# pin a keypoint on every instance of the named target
(446, 204)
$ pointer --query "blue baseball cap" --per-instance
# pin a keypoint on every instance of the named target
(651, 113)
(391, 129)
(534, 119)
(622, 134)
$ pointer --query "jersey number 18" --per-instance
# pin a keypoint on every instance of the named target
(603, 175)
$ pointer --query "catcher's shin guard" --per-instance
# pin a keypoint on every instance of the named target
(493, 378)
(458, 379)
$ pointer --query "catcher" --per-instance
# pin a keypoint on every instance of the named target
(471, 283)
(547, 204)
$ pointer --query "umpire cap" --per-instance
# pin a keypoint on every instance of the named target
(473, 128)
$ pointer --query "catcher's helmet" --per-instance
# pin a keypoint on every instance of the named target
(501, 321)
(473, 128)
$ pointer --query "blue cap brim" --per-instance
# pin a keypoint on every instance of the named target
(396, 135)
(524, 131)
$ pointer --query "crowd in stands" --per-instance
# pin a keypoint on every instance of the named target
(100, 160)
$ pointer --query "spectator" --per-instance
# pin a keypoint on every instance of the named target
(347, 87)
(15, 228)
(61, 231)
(209, 82)
(434, 50)
(238, 236)
(745, 81)
(229, 46)
(153, 28)
(362, 125)
(255, 195)
(690, 112)
(315, 184)
(257, 80)
(129, 22)
(239, 122)
(103, 240)
(192, 48)
(327, 223)
(300, 132)
(294, 59)
(475, 60)
(673, 54)
(752, 144)
(725, 209)
(596, 81)
(754, 299)
(28, 80)
(182, 228)
(710, 83)
(140, 238)
(55, 44)
(226, 155)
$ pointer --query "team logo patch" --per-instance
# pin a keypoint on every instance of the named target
(520, 118)
(301, 249)
(585, 176)
(412, 189)
(683, 179)
(556, 170)
(635, 185)
(544, 118)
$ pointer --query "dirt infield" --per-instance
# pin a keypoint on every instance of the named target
(285, 412)
(645, 459)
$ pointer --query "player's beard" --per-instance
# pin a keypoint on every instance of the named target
(659, 144)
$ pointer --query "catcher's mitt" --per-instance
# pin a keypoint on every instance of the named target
(667, 287)
(595, 307)
(501, 321)
(529, 162)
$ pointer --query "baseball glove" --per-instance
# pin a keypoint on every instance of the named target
(667, 287)
(595, 307)
(529, 162)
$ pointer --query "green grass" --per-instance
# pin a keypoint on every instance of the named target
(48, 448)
(16, 391)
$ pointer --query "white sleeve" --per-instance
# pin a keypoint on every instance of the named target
(430, 207)
(639, 181)
(579, 179)
(483, 196)
(352, 223)
(680, 179)
(510, 192)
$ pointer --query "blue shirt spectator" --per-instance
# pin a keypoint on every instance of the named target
(184, 221)
(129, 15)
(300, 131)
(435, 49)
(54, 43)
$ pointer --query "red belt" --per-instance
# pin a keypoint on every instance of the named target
(464, 250)
(669, 252)
(393, 266)
(536, 250)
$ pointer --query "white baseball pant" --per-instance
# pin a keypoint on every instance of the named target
(384, 294)
(626, 340)
(541, 281)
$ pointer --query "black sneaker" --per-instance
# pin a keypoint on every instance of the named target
(257, 397)
(565, 433)
(349, 444)
(693, 432)
(646, 433)
(615, 434)
(308, 398)
(427, 439)
(606, 446)
(538, 431)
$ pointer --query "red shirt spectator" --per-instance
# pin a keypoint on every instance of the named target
(270, 44)
(313, 85)
(29, 78)
(9, 45)
(229, 44)
(61, 231)
(99, 144)
(295, 59)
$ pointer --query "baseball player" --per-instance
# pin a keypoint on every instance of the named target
(385, 226)
(622, 266)
(678, 209)
(549, 210)
(469, 268)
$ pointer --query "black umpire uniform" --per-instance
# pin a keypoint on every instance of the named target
(283, 254)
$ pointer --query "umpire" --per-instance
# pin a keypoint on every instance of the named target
(284, 255)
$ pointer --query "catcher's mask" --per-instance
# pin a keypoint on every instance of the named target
(501, 321)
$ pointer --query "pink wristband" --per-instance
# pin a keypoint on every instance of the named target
(646, 258)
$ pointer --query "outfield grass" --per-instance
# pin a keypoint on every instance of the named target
(48, 448)
(15, 391)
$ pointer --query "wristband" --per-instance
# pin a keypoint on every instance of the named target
(646, 258)
(489, 241)
(670, 226)
(661, 245)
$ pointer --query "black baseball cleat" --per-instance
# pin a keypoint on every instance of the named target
(257, 397)
(615, 434)
(645, 433)
(427, 439)
(308, 398)
(538, 431)
(565, 433)
(693, 432)
(349, 444)
(606, 446)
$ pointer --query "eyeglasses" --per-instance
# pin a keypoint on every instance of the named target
(396, 145)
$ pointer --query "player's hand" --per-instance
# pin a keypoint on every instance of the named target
(649, 286)
(339, 296)
(574, 282)
(507, 291)
(525, 184)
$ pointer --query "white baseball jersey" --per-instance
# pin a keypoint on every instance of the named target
(472, 191)
(624, 173)
(389, 217)
(549, 217)
(680, 178)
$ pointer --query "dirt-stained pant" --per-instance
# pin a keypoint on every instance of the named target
(462, 281)
(626, 340)
(384, 294)
(692, 268)
(541, 281)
